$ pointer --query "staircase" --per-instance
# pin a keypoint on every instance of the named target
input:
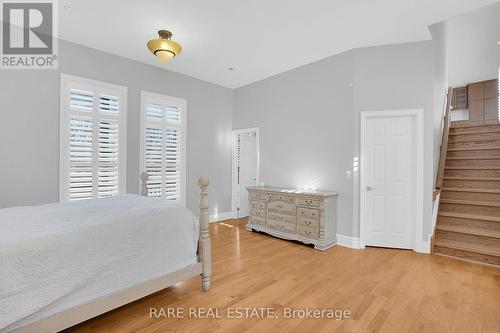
(468, 222)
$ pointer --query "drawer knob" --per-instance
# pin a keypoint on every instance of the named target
(307, 222)
(309, 202)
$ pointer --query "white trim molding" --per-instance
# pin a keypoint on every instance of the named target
(419, 245)
(221, 217)
(348, 241)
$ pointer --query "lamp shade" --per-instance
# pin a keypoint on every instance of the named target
(164, 48)
(165, 57)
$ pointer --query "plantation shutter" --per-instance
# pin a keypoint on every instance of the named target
(163, 146)
(92, 140)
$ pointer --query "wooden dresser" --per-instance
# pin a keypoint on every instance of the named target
(294, 214)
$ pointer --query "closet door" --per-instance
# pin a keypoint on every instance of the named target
(490, 100)
(483, 102)
(476, 109)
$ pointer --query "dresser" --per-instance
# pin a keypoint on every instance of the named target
(304, 215)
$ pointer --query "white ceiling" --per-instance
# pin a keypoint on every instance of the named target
(259, 38)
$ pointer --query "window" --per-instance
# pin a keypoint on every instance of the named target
(163, 145)
(92, 139)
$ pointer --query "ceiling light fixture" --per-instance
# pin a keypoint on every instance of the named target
(164, 48)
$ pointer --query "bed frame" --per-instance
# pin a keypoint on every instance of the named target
(81, 313)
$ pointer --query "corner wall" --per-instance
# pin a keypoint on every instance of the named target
(306, 119)
(309, 119)
(396, 77)
(473, 53)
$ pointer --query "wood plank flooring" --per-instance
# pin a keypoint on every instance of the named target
(385, 290)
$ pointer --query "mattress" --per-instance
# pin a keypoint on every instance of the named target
(57, 256)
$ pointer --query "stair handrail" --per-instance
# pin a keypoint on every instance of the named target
(444, 140)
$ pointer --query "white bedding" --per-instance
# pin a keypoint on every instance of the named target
(57, 256)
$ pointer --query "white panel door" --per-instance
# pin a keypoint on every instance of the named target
(390, 176)
(246, 169)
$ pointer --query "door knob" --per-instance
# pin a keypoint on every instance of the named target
(370, 188)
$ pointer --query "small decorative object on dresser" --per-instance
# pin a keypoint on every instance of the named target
(295, 214)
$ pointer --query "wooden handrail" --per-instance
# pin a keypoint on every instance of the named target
(444, 140)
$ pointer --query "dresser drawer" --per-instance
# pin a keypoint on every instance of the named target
(282, 207)
(258, 212)
(283, 198)
(259, 195)
(282, 218)
(308, 213)
(307, 202)
(272, 224)
(308, 232)
(258, 204)
(286, 227)
(257, 220)
(310, 223)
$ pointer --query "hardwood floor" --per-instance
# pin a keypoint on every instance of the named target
(385, 290)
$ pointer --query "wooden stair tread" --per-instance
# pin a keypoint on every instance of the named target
(469, 230)
(469, 216)
(474, 140)
(470, 247)
(473, 158)
(491, 179)
(481, 167)
(471, 189)
(473, 148)
(471, 202)
(474, 125)
(492, 130)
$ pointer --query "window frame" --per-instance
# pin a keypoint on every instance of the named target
(164, 100)
(68, 82)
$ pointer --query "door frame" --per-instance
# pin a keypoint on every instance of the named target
(233, 163)
(418, 115)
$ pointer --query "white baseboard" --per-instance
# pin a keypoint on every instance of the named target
(348, 241)
(220, 217)
(423, 247)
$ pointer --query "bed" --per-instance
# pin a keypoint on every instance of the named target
(64, 263)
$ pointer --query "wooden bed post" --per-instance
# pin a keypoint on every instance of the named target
(144, 189)
(205, 243)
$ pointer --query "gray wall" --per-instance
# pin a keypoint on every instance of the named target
(397, 77)
(29, 106)
(309, 118)
(473, 53)
(306, 120)
(440, 74)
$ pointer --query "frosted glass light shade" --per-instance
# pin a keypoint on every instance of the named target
(165, 57)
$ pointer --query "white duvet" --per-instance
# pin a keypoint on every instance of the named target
(57, 256)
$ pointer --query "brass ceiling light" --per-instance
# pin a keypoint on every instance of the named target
(164, 48)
